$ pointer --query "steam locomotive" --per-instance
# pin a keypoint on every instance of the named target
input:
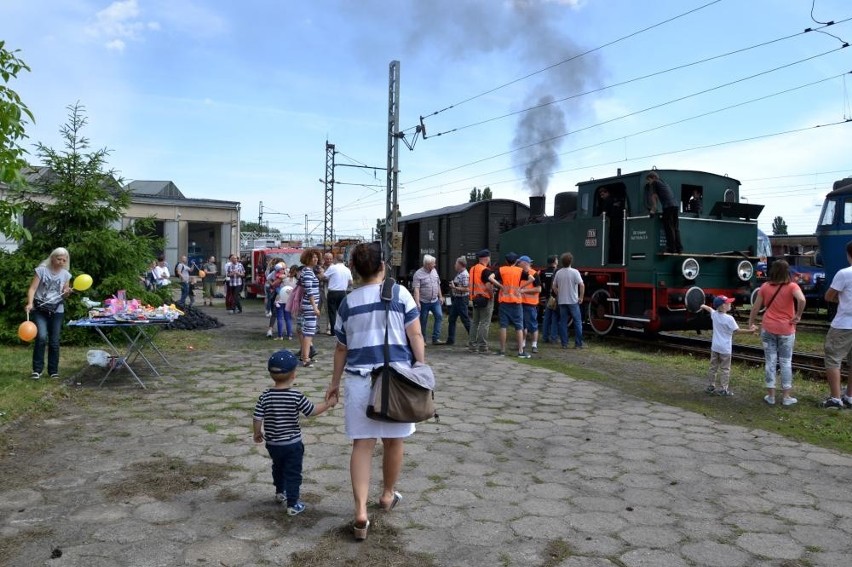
(630, 280)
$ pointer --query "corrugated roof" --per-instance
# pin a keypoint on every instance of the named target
(155, 189)
(453, 209)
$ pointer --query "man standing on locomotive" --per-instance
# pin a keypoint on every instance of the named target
(657, 191)
(427, 294)
(482, 297)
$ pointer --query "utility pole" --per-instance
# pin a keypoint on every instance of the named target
(328, 226)
(393, 168)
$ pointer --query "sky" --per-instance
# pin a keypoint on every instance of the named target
(236, 100)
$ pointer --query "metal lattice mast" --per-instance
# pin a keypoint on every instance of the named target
(393, 160)
(328, 227)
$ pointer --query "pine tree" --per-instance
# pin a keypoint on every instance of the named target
(779, 226)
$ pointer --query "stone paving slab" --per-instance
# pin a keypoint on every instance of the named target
(521, 458)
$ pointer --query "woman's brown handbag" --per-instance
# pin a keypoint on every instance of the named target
(400, 392)
(551, 303)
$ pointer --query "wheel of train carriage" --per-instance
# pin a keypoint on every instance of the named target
(599, 307)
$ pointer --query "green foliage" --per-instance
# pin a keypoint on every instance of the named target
(14, 115)
(779, 226)
(84, 204)
(477, 195)
(246, 226)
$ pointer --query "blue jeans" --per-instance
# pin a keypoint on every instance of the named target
(184, 293)
(287, 469)
(283, 317)
(435, 309)
(49, 329)
(458, 309)
(550, 325)
(778, 352)
(573, 310)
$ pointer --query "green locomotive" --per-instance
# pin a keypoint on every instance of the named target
(620, 249)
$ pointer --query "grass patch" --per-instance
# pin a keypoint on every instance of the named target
(166, 477)
(555, 552)
(10, 545)
(383, 546)
(679, 380)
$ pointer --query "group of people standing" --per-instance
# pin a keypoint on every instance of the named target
(316, 286)
(516, 289)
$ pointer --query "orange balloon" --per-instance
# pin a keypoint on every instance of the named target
(27, 331)
(201, 273)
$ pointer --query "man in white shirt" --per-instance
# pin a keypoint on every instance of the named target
(838, 341)
(182, 272)
(427, 294)
(339, 280)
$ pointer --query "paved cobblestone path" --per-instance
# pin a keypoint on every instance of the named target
(526, 467)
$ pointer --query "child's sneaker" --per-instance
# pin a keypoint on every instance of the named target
(769, 399)
(789, 401)
(280, 498)
(296, 508)
(711, 389)
(847, 401)
(724, 392)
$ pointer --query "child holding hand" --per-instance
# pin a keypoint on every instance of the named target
(276, 421)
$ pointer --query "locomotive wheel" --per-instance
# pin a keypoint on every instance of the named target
(599, 308)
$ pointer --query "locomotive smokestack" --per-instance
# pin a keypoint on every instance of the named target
(536, 206)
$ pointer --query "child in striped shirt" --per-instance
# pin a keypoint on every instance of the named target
(276, 421)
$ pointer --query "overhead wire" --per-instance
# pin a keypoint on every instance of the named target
(646, 109)
(644, 157)
(625, 82)
(572, 58)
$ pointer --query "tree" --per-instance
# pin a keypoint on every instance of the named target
(477, 195)
(77, 204)
(779, 226)
(13, 119)
(246, 226)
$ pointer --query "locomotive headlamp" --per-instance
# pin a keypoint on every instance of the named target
(745, 270)
(690, 268)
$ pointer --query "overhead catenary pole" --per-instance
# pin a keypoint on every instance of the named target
(328, 226)
(393, 161)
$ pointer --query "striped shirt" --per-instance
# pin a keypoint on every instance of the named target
(360, 326)
(311, 284)
(279, 411)
(235, 272)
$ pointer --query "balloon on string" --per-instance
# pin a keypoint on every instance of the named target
(82, 282)
(201, 273)
(27, 331)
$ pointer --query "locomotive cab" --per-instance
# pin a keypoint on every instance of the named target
(833, 229)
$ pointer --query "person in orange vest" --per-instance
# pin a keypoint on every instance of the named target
(509, 279)
(482, 297)
(530, 292)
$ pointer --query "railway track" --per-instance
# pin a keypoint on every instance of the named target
(811, 366)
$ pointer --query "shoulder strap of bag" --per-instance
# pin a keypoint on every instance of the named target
(774, 295)
(387, 296)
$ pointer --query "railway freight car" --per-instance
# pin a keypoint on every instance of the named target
(630, 280)
(457, 230)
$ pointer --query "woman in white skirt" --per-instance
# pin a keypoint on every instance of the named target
(360, 331)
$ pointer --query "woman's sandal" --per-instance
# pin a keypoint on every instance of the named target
(396, 498)
(360, 533)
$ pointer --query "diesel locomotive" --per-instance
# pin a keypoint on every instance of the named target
(630, 279)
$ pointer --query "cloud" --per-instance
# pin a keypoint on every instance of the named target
(120, 22)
